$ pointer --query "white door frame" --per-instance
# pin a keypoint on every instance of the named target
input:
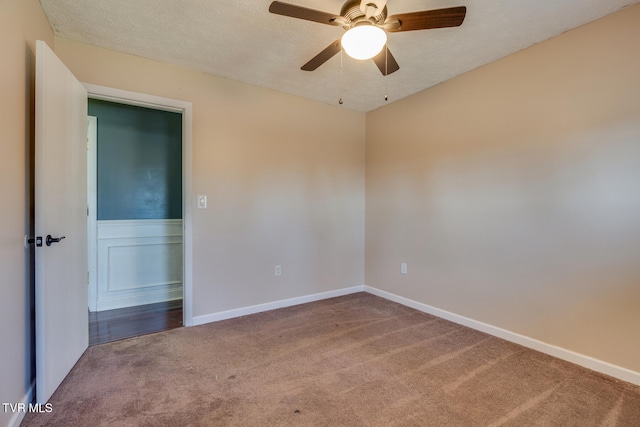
(186, 109)
(92, 157)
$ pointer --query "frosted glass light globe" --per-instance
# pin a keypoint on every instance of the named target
(364, 41)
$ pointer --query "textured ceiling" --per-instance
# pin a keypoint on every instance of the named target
(241, 40)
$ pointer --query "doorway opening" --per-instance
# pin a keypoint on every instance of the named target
(138, 214)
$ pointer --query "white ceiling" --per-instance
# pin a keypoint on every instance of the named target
(241, 40)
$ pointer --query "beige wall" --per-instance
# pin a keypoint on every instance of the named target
(21, 23)
(284, 179)
(513, 192)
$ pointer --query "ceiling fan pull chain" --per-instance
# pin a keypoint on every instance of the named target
(386, 73)
(340, 101)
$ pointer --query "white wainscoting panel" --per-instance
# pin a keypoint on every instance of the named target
(139, 262)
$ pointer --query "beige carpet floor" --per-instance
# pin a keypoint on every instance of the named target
(357, 360)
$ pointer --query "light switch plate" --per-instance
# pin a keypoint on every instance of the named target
(202, 202)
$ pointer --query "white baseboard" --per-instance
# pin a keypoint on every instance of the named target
(18, 416)
(606, 368)
(229, 314)
(618, 372)
(160, 293)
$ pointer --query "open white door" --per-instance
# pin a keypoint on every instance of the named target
(60, 210)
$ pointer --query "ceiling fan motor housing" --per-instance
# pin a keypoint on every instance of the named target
(353, 14)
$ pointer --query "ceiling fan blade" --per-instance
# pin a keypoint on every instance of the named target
(427, 19)
(323, 56)
(286, 9)
(386, 62)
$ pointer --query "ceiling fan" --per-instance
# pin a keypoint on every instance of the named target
(366, 21)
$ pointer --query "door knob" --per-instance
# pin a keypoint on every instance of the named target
(51, 240)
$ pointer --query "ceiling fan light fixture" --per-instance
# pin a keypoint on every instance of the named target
(364, 41)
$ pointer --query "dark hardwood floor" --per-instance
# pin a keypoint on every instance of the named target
(113, 325)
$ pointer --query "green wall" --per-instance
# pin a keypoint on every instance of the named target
(139, 162)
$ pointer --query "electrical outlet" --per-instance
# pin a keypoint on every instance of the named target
(403, 268)
(278, 270)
